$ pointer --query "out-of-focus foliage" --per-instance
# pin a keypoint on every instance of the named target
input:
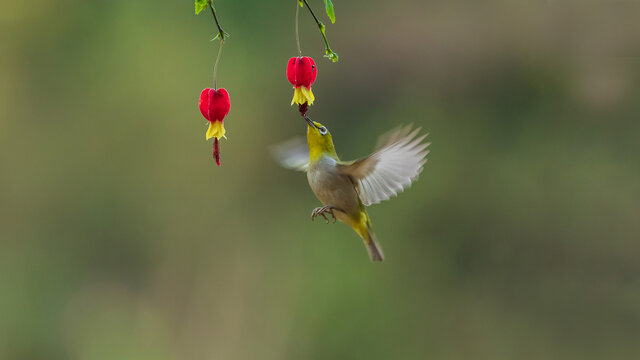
(201, 5)
(328, 5)
(121, 239)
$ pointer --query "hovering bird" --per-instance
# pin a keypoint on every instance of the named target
(345, 188)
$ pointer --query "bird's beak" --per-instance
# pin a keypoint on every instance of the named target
(310, 122)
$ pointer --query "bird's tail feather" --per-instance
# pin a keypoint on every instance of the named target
(363, 228)
(374, 249)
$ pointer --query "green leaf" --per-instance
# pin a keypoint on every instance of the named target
(301, 3)
(226, 35)
(331, 55)
(330, 13)
(200, 5)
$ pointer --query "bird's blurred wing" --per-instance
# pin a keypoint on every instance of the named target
(391, 168)
(292, 154)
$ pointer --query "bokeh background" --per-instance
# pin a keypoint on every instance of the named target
(120, 238)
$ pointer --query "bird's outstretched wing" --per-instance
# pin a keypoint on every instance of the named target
(292, 154)
(392, 168)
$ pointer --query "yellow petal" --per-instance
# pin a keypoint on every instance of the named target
(216, 130)
(308, 95)
(296, 96)
(302, 95)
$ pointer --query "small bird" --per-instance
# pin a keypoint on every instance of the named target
(346, 188)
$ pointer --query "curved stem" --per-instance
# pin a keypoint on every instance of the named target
(297, 33)
(215, 67)
(221, 34)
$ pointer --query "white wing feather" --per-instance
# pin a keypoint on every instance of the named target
(390, 169)
(292, 154)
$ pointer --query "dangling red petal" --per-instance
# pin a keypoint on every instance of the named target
(204, 103)
(216, 151)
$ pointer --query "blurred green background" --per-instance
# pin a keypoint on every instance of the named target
(121, 239)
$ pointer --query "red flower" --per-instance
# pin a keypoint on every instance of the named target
(301, 73)
(214, 106)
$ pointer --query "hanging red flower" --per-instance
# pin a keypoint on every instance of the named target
(301, 72)
(214, 106)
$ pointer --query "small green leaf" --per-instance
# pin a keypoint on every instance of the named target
(301, 3)
(321, 26)
(331, 55)
(330, 13)
(200, 5)
(226, 35)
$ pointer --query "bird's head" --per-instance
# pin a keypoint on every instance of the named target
(319, 140)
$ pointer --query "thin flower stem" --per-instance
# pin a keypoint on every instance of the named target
(221, 34)
(215, 66)
(297, 33)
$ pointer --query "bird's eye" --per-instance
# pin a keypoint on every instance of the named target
(323, 130)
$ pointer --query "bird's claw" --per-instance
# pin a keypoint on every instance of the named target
(321, 211)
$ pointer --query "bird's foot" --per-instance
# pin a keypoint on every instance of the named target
(322, 211)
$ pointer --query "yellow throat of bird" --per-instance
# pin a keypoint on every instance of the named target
(319, 144)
